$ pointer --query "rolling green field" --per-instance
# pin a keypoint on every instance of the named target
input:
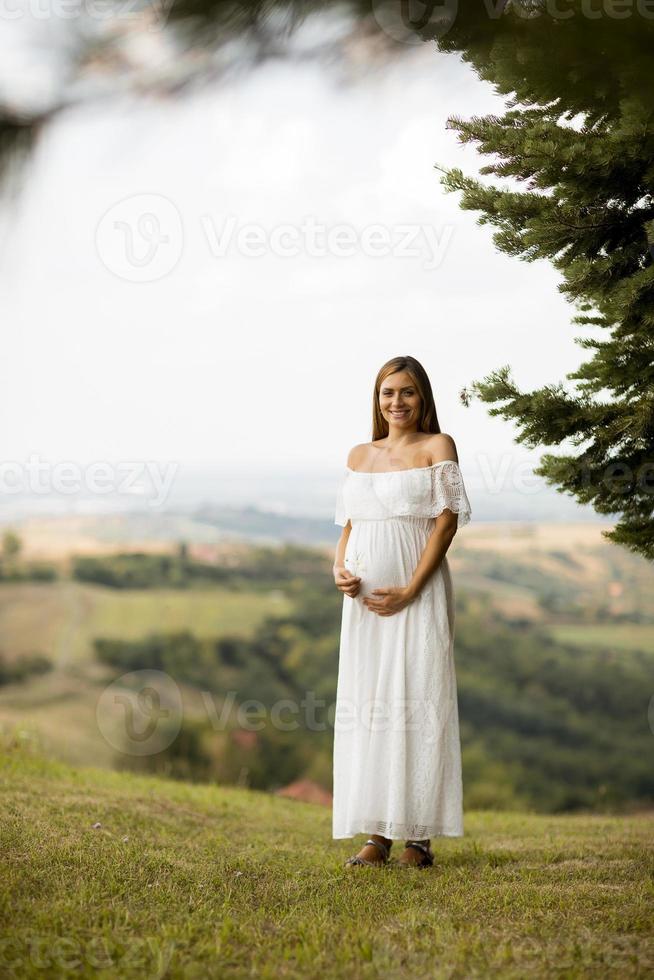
(623, 637)
(204, 881)
(61, 618)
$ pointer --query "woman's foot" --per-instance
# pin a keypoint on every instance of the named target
(417, 857)
(373, 854)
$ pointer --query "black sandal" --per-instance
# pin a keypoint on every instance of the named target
(385, 851)
(426, 851)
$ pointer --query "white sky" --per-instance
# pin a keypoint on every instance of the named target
(270, 360)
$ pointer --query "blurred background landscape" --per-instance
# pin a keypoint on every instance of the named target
(219, 390)
(554, 651)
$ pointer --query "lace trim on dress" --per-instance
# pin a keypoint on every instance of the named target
(448, 492)
(439, 487)
(406, 831)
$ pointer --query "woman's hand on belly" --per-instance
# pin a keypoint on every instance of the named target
(387, 602)
(345, 581)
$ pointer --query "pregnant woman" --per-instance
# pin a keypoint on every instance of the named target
(397, 755)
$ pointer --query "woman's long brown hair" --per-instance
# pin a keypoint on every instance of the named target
(428, 417)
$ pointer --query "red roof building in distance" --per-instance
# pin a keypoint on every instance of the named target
(307, 791)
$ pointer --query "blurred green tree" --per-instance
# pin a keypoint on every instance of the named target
(11, 545)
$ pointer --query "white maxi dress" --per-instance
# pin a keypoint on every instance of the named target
(397, 753)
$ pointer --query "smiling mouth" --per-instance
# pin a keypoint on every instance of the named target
(400, 415)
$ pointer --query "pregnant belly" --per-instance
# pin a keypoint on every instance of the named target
(376, 568)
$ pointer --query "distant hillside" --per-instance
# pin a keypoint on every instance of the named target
(225, 528)
(554, 655)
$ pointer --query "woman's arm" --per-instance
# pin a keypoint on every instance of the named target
(345, 582)
(435, 550)
(343, 579)
(339, 557)
(442, 447)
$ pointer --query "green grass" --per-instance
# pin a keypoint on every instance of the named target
(71, 614)
(203, 881)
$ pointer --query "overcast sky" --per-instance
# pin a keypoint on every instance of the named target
(135, 327)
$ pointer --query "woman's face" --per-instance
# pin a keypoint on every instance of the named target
(399, 400)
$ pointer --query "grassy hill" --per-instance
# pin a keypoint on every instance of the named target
(184, 880)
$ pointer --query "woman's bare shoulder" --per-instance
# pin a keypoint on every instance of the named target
(441, 446)
(358, 455)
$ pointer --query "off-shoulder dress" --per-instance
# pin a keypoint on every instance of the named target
(397, 755)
